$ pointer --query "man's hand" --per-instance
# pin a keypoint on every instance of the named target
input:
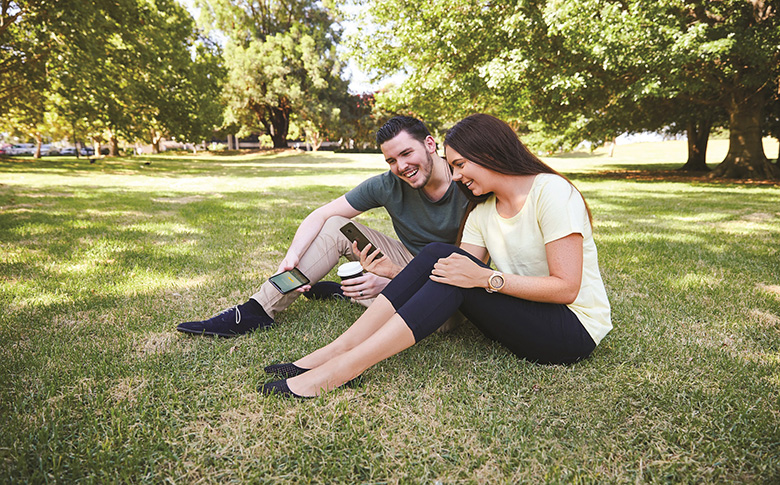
(459, 270)
(380, 267)
(289, 262)
(364, 287)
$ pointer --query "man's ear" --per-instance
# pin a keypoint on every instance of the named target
(430, 144)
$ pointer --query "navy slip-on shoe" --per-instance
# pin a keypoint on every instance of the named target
(325, 290)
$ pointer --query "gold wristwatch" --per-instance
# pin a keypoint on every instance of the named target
(495, 282)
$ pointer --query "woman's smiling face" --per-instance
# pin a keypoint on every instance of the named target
(473, 175)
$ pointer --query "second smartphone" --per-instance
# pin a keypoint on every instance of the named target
(353, 234)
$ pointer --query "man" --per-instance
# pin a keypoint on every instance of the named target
(424, 205)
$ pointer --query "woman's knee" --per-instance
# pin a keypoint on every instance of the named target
(438, 250)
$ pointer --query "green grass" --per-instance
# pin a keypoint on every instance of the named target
(98, 263)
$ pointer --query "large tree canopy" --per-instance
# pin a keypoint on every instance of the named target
(280, 56)
(107, 69)
(25, 44)
(588, 69)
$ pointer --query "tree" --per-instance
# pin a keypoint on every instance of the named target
(772, 122)
(712, 56)
(360, 119)
(108, 69)
(174, 91)
(443, 47)
(579, 67)
(24, 49)
(29, 35)
(280, 56)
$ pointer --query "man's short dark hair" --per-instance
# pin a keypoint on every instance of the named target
(414, 127)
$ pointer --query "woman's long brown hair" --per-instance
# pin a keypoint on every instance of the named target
(493, 144)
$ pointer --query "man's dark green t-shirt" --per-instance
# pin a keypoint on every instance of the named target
(416, 219)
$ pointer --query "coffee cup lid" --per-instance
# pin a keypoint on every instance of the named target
(349, 269)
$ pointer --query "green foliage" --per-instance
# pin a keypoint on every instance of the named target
(99, 262)
(110, 69)
(361, 118)
(25, 46)
(582, 69)
(280, 57)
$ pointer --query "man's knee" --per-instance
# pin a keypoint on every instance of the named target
(333, 225)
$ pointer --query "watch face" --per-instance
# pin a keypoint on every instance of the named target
(497, 281)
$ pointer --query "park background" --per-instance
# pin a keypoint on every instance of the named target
(103, 256)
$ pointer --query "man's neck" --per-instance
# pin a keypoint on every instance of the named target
(440, 179)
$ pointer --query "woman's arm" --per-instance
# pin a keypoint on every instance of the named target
(564, 260)
(386, 268)
(478, 252)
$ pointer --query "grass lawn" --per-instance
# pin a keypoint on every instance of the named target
(99, 262)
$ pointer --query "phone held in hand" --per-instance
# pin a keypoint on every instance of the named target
(288, 281)
(353, 234)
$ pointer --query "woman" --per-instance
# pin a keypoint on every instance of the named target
(546, 302)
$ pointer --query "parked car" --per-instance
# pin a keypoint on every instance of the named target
(23, 149)
(85, 151)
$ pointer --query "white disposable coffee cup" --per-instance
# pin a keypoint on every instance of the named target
(353, 269)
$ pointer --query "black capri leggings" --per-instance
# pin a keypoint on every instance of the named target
(547, 333)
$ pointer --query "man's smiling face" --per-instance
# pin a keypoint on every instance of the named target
(410, 159)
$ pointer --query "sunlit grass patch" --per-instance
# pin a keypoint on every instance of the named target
(99, 262)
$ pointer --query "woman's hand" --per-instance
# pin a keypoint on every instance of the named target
(380, 267)
(459, 270)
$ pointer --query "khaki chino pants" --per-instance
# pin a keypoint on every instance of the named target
(323, 255)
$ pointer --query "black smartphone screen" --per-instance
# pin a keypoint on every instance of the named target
(353, 234)
(288, 281)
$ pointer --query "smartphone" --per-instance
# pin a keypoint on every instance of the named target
(353, 234)
(288, 281)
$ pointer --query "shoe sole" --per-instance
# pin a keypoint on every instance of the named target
(206, 333)
(209, 334)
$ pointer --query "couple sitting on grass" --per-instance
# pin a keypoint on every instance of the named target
(546, 301)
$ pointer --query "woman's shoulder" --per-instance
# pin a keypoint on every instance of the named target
(551, 185)
(545, 180)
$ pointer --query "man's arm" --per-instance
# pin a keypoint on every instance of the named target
(311, 226)
(361, 288)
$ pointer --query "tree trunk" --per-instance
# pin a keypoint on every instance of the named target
(612, 148)
(38, 143)
(96, 146)
(155, 141)
(315, 138)
(76, 142)
(280, 124)
(698, 136)
(113, 144)
(746, 158)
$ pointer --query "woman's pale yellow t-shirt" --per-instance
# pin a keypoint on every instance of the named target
(553, 209)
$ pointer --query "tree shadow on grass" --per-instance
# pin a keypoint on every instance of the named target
(170, 167)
